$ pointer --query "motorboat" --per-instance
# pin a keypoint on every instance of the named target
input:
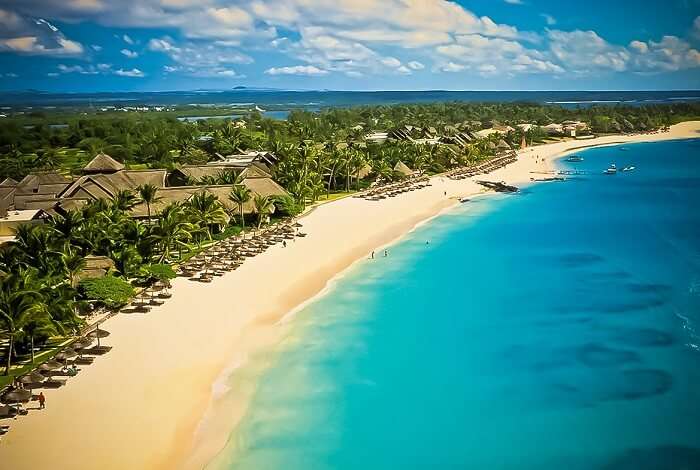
(628, 168)
(574, 158)
(463, 199)
(611, 170)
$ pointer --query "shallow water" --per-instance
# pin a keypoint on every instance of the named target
(557, 328)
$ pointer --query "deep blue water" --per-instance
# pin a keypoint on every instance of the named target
(315, 99)
(554, 329)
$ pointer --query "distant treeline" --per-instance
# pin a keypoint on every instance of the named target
(49, 140)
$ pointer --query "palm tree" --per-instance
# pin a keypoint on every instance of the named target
(148, 195)
(206, 209)
(263, 205)
(73, 264)
(240, 195)
(124, 200)
(171, 229)
(20, 304)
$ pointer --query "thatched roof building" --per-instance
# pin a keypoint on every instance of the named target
(102, 163)
(96, 267)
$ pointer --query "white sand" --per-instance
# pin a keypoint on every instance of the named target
(138, 407)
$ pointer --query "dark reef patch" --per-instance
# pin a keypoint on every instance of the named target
(597, 355)
(669, 457)
(643, 337)
(579, 260)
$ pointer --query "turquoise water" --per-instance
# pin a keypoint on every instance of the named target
(557, 328)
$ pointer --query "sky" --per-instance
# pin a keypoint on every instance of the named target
(157, 45)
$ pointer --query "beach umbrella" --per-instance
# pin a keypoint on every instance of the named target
(33, 377)
(82, 343)
(50, 365)
(98, 333)
(17, 396)
(66, 354)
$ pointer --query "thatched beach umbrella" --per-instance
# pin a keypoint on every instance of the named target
(82, 343)
(16, 396)
(66, 354)
(33, 377)
(50, 365)
(98, 333)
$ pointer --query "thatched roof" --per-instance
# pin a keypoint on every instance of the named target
(503, 145)
(8, 182)
(31, 182)
(364, 171)
(402, 168)
(197, 172)
(35, 201)
(264, 187)
(96, 267)
(103, 163)
(105, 186)
(254, 172)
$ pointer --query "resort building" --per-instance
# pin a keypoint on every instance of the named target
(39, 195)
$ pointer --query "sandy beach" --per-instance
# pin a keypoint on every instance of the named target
(153, 401)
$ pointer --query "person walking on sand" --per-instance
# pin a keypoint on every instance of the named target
(372, 257)
(284, 243)
(42, 401)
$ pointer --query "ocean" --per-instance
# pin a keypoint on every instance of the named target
(313, 100)
(555, 328)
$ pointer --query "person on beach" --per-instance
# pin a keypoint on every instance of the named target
(386, 253)
(42, 401)
(372, 257)
(284, 243)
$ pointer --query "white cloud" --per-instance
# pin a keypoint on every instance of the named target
(31, 45)
(129, 73)
(198, 54)
(452, 67)
(34, 37)
(296, 70)
(549, 19)
(127, 39)
(415, 65)
(585, 51)
(483, 54)
(696, 27)
(129, 54)
(514, 2)
(96, 48)
(392, 62)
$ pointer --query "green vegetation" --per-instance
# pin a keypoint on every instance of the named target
(111, 291)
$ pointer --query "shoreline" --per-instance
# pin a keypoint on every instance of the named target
(175, 360)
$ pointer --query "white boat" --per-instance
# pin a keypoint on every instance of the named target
(612, 169)
(628, 168)
(574, 158)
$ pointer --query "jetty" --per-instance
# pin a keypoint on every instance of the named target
(499, 187)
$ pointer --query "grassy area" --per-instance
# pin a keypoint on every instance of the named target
(335, 195)
(53, 346)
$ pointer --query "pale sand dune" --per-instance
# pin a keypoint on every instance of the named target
(138, 407)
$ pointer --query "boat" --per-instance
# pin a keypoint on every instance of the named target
(628, 168)
(612, 169)
(574, 158)
(463, 199)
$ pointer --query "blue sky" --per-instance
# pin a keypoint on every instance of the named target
(148, 45)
